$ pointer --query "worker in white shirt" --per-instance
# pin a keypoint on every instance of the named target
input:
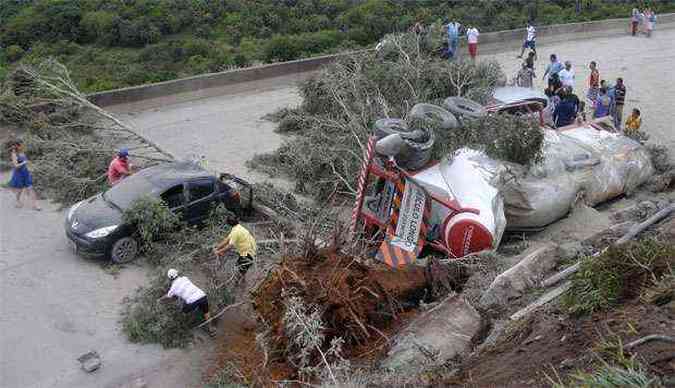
(530, 40)
(472, 38)
(192, 296)
(566, 75)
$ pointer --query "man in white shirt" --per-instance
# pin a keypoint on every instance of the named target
(566, 75)
(192, 296)
(472, 38)
(530, 40)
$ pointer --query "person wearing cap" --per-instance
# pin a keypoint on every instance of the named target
(119, 167)
(192, 296)
(242, 241)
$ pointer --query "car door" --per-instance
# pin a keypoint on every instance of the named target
(200, 199)
(174, 198)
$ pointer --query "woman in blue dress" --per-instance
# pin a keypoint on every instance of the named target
(22, 180)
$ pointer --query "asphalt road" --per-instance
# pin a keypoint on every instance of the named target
(56, 306)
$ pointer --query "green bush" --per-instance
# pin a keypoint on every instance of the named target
(14, 53)
(151, 219)
(617, 275)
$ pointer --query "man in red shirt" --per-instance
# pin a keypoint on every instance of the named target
(119, 167)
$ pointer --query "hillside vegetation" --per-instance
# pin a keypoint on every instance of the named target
(116, 43)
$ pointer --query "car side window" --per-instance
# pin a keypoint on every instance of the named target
(174, 197)
(200, 189)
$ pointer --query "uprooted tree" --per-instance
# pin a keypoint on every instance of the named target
(344, 99)
(69, 140)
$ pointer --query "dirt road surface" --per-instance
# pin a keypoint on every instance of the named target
(56, 306)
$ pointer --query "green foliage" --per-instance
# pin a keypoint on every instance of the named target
(616, 275)
(14, 53)
(253, 31)
(344, 99)
(502, 137)
(145, 320)
(151, 218)
(186, 249)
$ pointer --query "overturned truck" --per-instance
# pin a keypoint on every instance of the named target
(463, 203)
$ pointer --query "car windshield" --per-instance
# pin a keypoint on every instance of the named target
(128, 190)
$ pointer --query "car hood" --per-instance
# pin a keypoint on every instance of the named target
(95, 213)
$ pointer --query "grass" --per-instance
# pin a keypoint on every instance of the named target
(616, 275)
(614, 369)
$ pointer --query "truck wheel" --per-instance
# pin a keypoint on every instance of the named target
(434, 112)
(124, 250)
(464, 107)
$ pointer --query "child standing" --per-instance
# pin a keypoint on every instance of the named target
(472, 38)
(633, 123)
(593, 83)
(525, 76)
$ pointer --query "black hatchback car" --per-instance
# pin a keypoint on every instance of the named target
(95, 227)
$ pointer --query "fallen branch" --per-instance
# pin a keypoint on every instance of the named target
(278, 241)
(547, 297)
(639, 228)
(632, 233)
(219, 314)
(564, 274)
(653, 337)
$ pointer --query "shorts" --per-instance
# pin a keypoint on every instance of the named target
(473, 49)
(202, 304)
(244, 263)
(529, 43)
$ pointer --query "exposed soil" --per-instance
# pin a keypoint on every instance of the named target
(546, 344)
(365, 305)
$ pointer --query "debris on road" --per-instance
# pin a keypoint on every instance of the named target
(90, 361)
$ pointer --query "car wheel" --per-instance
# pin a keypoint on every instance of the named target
(124, 250)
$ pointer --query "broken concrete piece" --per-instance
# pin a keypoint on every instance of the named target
(511, 283)
(90, 361)
(436, 336)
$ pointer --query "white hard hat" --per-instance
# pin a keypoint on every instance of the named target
(172, 273)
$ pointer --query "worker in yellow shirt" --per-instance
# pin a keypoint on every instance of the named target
(242, 241)
(633, 123)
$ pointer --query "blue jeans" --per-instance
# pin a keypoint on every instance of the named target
(452, 47)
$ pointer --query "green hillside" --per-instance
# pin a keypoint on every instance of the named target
(115, 43)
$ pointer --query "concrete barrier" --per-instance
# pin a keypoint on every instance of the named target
(205, 81)
(207, 85)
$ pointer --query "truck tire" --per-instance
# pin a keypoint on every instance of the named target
(434, 112)
(386, 127)
(124, 250)
(464, 107)
(416, 151)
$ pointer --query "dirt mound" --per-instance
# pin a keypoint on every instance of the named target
(550, 345)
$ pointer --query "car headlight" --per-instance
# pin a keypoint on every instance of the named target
(72, 209)
(101, 232)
